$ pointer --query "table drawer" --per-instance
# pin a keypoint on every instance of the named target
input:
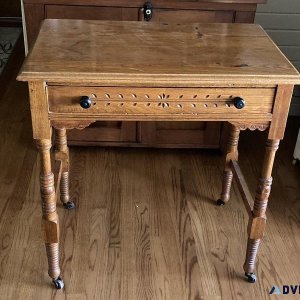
(120, 101)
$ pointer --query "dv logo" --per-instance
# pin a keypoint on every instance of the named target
(286, 289)
(275, 290)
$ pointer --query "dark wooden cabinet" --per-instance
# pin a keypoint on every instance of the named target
(152, 134)
(91, 13)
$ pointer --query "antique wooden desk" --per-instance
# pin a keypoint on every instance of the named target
(83, 71)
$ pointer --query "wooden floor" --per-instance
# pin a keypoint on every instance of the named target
(146, 226)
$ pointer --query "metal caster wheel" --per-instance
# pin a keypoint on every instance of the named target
(251, 277)
(69, 205)
(220, 202)
(59, 283)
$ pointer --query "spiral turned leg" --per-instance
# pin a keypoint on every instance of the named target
(50, 222)
(252, 248)
(232, 154)
(226, 187)
(64, 191)
(257, 221)
(62, 153)
(53, 261)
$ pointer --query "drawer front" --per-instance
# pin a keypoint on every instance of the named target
(192, 16)
(161, 102)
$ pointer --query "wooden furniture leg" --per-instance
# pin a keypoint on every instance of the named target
(62, 153)
(231, 154)
(50, 218)
(257, 220)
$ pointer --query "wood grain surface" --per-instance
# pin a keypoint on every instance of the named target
(136, 53)
(146, 226)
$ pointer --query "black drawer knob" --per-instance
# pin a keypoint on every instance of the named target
(239, 102)
(85, 102)
(148, 11)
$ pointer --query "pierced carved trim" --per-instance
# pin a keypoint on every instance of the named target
(251, 126)
(74, 124)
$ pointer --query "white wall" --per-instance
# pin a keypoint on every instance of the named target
(281, 19)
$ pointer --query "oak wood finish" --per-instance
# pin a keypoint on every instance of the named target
(57, 170)
(50, 218)
(280, 111)
(36, 11)
(62, 154)
(257, 221)
(246, 56)
(191, 86)
(242, 185)
(38, 106)
(115, 101)
(231, 155)
(153, 134)
(98, 250)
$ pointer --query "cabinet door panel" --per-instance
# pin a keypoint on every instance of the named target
(192, 16)
(91, 13)
(104, 132)
(179, 134)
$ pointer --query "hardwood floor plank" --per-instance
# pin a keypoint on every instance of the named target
(165, 249)
(181, 220)
(128, 259)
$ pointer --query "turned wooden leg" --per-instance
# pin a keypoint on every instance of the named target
(257, 221)
(231, 154)
(50, 218)
(62, 153)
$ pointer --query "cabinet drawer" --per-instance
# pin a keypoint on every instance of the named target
(192, 16)
(135, 103)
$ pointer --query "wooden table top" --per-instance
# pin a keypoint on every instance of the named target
(118, 52)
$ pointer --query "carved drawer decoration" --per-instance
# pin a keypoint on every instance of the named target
(158, 101)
